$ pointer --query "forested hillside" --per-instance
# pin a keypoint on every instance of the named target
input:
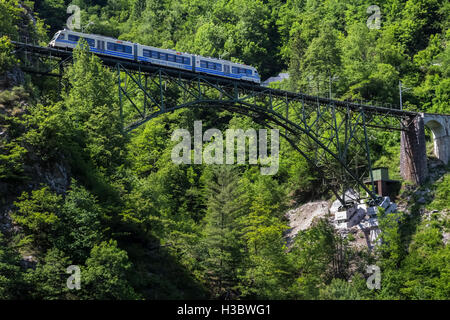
(74, 190)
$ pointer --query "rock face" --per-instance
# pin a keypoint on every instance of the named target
(12, 78)
(302, 217)
(359, 220)
(446, 238)
(56, 176)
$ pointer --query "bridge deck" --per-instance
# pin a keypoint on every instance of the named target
(149, 68)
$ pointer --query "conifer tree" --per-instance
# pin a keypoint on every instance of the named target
(221, 236)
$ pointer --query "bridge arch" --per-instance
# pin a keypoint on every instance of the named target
(330, 134)
(439, 126)
(293, 133)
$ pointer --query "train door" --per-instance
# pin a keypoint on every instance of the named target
(135, 49)
(101, 45)
(226, 69)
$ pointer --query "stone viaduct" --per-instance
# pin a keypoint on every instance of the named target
(413, 157)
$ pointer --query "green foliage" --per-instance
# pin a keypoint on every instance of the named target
(267, 268)
(9, 16)
(38, 213)
(11, 274)
(92, 109)
(106, 272)
(73, 224)
(339, 289)
(442, 194)
(53, 12)
(321, 255)
(391, 248)
(12, 151)
(49, 278)
(11, 161)
(7, 59)
(222, 249)
(79, 227)
(426, 268)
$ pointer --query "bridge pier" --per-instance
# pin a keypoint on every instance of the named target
(413, 154)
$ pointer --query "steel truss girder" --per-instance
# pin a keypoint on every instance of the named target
(40, 62)
(322, 132)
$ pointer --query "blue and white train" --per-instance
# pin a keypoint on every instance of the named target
(163, 57)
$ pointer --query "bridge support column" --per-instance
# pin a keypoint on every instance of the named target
(413, 155)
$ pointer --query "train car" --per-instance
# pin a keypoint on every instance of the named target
(97, 44)
(226, 69)
(163, 57)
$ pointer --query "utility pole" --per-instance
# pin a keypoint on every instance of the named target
(402, 89)
(330, 86)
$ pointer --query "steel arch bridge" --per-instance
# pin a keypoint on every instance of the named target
(332, 135)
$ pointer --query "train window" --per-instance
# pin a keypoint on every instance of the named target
(91, 42)
(146, 53)
(155, 54)
(163, 56)
(179, 59)
(235, 70)
(128, 49)
(203, 64)
(73, 38)
(61, 36)
(171, 57)
(119, 47)
(249, 72)
(214, 66)
(186, 60)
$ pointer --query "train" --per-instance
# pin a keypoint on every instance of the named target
(163, 57)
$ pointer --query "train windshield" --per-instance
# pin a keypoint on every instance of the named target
(56, 35)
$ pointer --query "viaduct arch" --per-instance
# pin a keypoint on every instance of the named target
(413, 157)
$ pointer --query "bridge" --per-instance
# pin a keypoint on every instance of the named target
(332, 135)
